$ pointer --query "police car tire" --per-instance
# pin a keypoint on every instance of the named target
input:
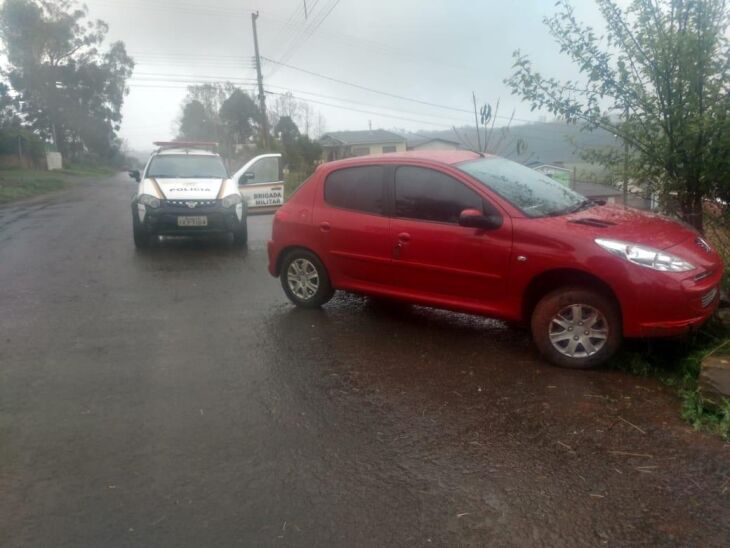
(142, 238)
(324, 290)
(240, 236)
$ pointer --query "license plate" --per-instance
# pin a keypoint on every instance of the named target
(192, 221)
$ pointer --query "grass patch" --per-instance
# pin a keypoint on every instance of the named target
(677, 364)
(86, 170)
(17, 184)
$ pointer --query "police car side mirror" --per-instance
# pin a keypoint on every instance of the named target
(134, 174)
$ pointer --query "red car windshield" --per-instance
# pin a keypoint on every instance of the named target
(534, 194)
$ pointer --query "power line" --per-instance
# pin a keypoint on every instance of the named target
(198, 79)
(315, 94)
(183, 83)
(186, 80)
(296, 35)
(325, 13)
(365, 88)
(165, 75)
(365, 111)
(388, 94)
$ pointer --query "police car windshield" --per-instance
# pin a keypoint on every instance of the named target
(187, 167)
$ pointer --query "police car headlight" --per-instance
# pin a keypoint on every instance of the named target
(645, 256)
(230, 201)
(149, 201)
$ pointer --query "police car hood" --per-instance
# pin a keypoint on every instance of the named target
(187, 189)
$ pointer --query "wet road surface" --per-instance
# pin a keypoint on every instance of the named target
(173, 397)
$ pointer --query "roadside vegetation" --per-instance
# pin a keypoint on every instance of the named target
(20, 184)
(677, 364)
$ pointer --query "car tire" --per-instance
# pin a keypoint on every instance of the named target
(142, 238)
(305, 279)
(240, 235)
(577, 328)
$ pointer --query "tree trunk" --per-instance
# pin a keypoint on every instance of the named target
(693, 213)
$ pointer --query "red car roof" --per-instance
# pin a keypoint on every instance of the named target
(440, 156)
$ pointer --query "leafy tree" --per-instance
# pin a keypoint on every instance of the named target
(286, 130)
(300, 153)
(8, 109)
(300, 112)
(658, 79)
(70, 91)
(211, 96)
(196, 123)
(239, 117)
(310, 152)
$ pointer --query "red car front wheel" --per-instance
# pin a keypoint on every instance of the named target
(576, 327)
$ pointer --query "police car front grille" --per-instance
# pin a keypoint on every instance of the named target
(190, 204)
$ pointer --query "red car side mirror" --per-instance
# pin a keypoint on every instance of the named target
(473, 218)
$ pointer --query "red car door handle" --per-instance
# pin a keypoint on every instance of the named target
(325, 226)
(404, 237)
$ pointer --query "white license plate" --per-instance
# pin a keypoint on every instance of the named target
(192, 221)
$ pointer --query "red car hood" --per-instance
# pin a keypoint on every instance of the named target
(629, 225)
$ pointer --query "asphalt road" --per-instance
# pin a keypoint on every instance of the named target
(173, 397)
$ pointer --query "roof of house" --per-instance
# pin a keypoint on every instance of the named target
(367, 137)
(594, 189)
(415, 141)
(538, 165)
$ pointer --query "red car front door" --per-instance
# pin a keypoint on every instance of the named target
(437, 260)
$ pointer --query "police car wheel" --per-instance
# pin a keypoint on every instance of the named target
(305, 279)
(142, 238)
(240, 236)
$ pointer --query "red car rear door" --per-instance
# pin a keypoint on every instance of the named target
(354, 228)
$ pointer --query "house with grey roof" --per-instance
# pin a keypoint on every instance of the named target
(418, 142)
(346, 144)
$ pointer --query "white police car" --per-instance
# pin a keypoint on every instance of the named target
(184, 190)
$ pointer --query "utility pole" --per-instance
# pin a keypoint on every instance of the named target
(626, 161)
(476, 122)
(260, 78)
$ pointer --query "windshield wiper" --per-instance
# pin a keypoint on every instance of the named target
(585, 204)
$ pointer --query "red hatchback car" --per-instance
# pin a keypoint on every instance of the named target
(485, 235)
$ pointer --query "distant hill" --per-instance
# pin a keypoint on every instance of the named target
(547, 142)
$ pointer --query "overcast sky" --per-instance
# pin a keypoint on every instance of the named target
(436, 51)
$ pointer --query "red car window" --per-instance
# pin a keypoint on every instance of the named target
(357, 188)
(430, 195)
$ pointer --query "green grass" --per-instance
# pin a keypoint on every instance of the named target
(17, 184)
(677, 364)
(86, 170)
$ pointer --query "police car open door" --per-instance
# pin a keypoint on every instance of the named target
(261, 183)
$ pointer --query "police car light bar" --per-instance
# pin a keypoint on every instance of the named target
(201, 145)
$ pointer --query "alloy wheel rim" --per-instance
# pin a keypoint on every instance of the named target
(303, 279)
(578, 331)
